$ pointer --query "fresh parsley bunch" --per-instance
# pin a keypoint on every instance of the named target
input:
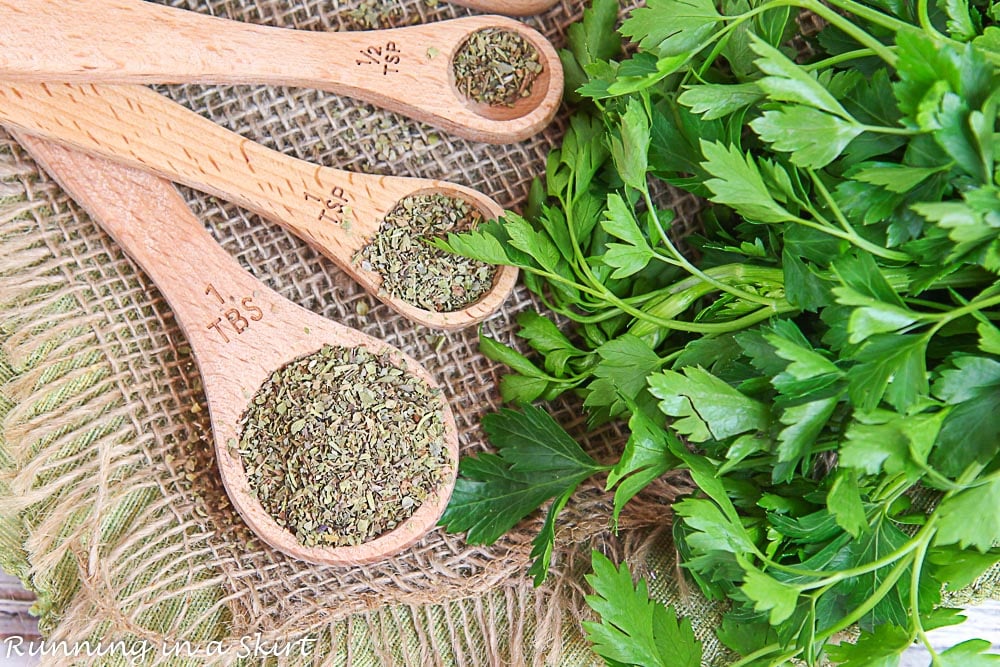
(827, 369)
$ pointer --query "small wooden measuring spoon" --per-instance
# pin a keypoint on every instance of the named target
(239, 329)
(508, 7)
(407, 70)
(335, 211)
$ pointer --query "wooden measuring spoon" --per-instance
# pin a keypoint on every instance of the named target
(508, 7)
(239, 329)
(335, 211)
(407, 70)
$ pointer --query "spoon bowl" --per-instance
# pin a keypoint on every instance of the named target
(407, 70)
(240, 330)
(335, 211)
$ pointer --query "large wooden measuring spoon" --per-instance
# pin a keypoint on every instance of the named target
(508, 7)
(335, 211)
(402, 69)
(239, 329)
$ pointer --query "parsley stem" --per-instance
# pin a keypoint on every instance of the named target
(873, 15)
(757, 655)
(599, 291)
(692, 269)
(853, 238)
(925, 20)
(871, 566)
(885, 129)
(918, 627)
(850, 619)
(967, 309)
(848, 56)
(851, 29)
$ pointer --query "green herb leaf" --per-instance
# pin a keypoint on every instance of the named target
(989, 338)
(959, 568)
(537, 460)
(971, 653)
(707, 407)
(879, 648)
(893, 366)
(712, 100)
(965, 519)
(630, 148)
(961, 23)
(844, 501)
(672, 27)
(890, 442)
(892, 176)
(542, 334)
(814, 138)
(478, 244)
(545, 541)
(787, 82)
(803, 423)
(593, 37)
(713, 530)
(768, 594)
(508, 356)
(646, 457)
(626, 260)
(620, 222)
(971, 431)
(535, 243)
(738, 183)
(634, 629)
(626, 361)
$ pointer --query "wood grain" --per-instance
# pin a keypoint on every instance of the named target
(335, 211)
(239, 329)
(129, 41)
(508, 7)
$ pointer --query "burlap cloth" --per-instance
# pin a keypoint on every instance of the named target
(110, 506)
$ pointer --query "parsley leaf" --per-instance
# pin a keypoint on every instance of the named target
(671, 27)
(971, 653)
(737, 182)
(813, 137)
(968, 519)
(646, 457)
(768, 594)
(971, 430)
(844, 501)
(536, 460)
(708, 407)
(634, 629)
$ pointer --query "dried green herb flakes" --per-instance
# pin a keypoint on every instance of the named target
(342, 445)
(496, 67)
(417, 272)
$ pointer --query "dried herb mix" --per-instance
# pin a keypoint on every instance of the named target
(496, 67)
(341, 445)
(416, 271)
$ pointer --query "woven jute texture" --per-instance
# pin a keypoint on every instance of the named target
(110, 505)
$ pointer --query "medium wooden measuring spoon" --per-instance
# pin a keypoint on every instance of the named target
(335, 211)
(239, 329)
(407, 70)
(508, 7)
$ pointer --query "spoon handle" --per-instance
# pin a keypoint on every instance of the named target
(406, 70)
(134, 125)
(508, 7)
(214, 300)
